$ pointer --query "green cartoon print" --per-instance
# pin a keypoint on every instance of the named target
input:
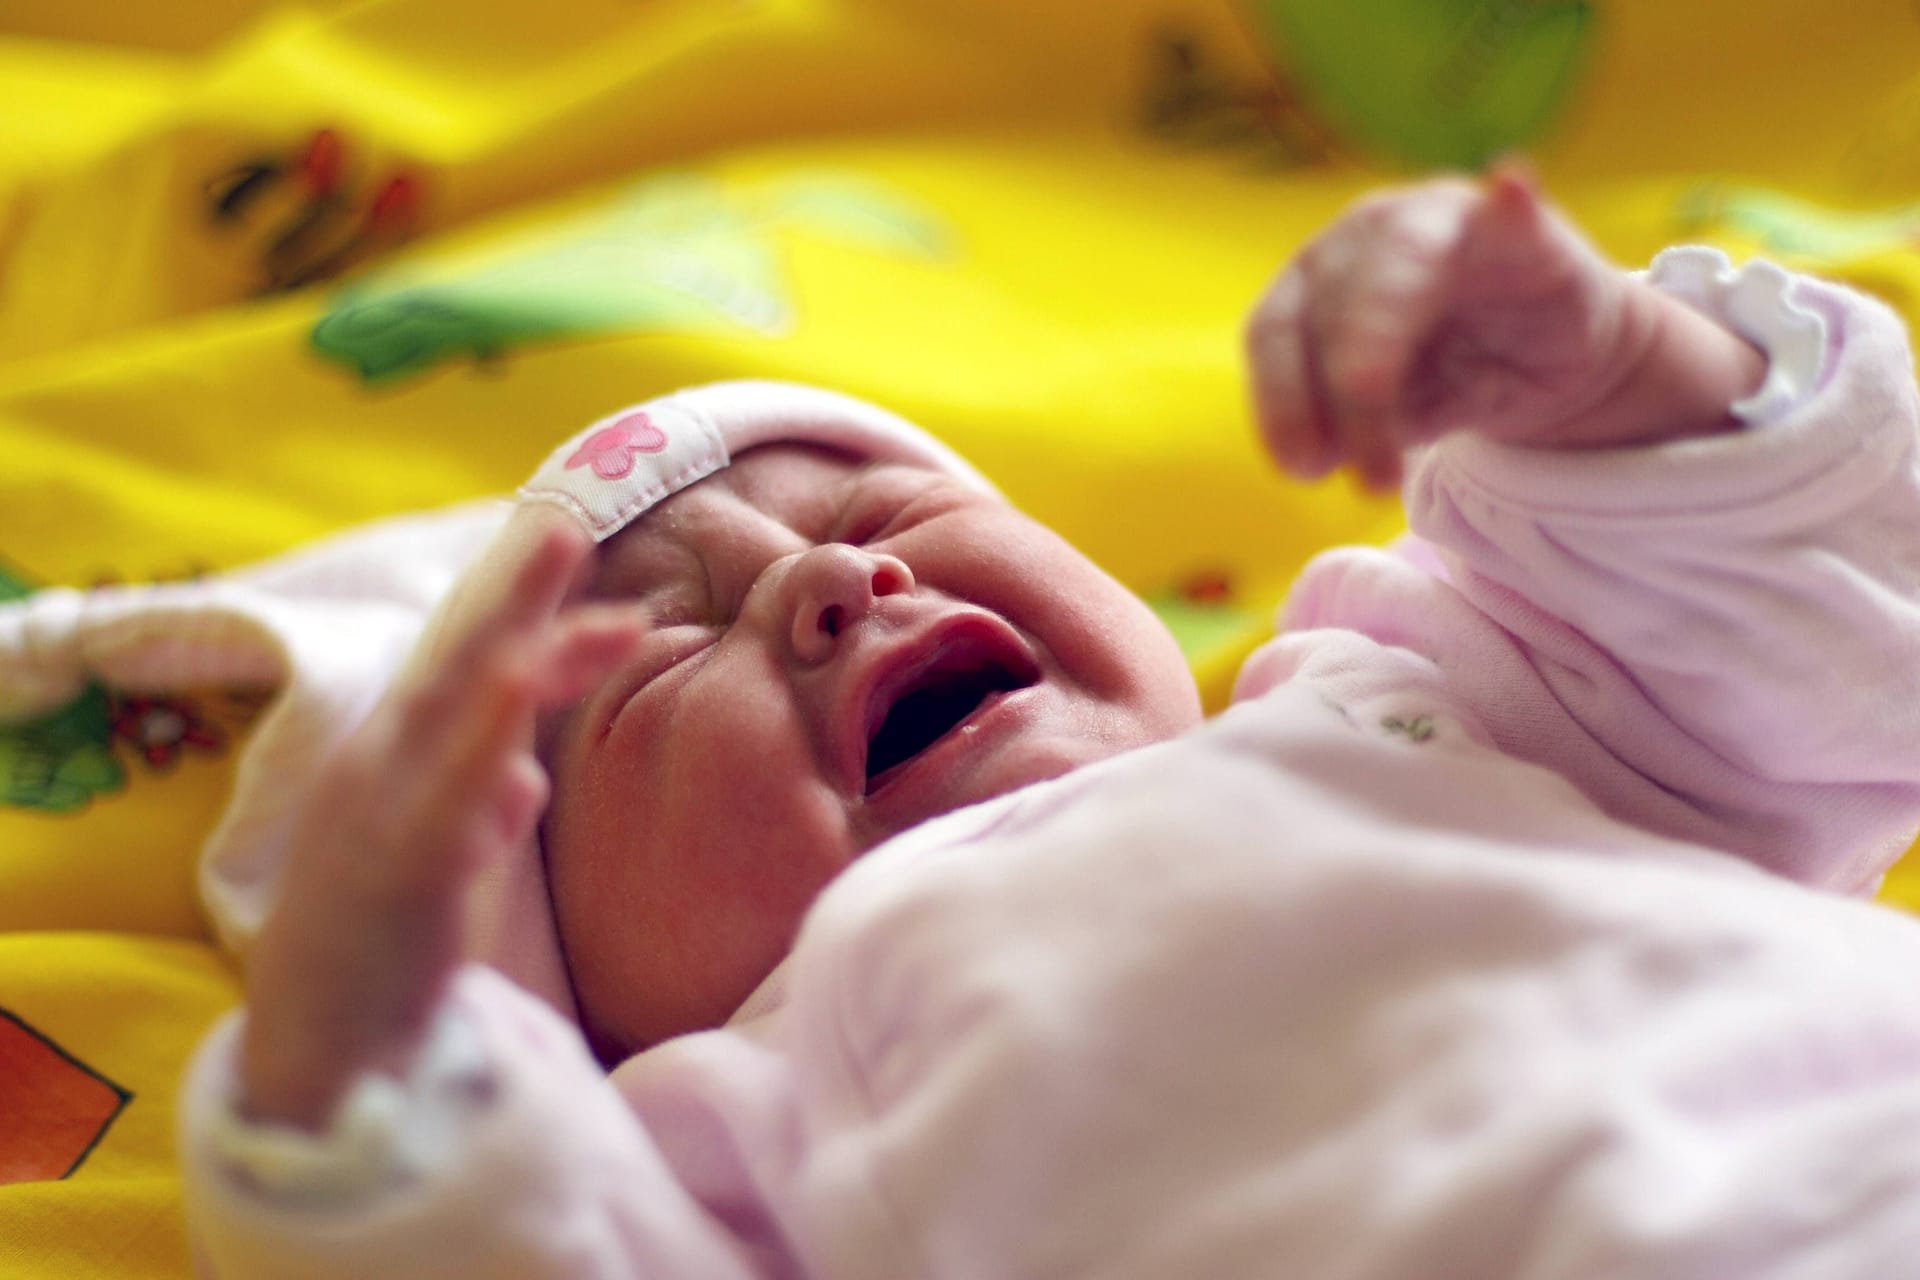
(1791, 227)
(58, 762)
(1430, 83)
(682, 253)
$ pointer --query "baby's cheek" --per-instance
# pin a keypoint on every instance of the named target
(1153, 685)
(1113, 644)
(745, 886)
(782, 829)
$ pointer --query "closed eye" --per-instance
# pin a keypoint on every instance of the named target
(668, 656)
(901, 512)
(667, 615)
(875, 521)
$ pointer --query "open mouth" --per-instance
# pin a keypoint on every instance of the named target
(935, 699)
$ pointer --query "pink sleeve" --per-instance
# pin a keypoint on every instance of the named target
(1734, 621)
(528, 1166)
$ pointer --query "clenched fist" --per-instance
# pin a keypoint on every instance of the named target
(1463, 305)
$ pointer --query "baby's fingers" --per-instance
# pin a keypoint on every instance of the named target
(1511, 235)
(477, 738)
(518, 798)
(1289, 402)
(501, 647)
(1369, 347)
(514, 674)
(534, 563)
(585, 647)
(1333, 343)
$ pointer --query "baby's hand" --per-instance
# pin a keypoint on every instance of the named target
(439, 780)
(1459, 304)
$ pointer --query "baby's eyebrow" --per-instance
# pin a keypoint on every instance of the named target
(835, 498)
(851, 482)
(885, 469)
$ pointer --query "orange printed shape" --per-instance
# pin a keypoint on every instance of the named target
(53, 1107)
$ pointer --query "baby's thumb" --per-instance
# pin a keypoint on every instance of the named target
(1513, 222)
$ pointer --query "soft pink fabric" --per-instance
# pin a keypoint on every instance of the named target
(1448, 952)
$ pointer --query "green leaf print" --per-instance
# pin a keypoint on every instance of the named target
(680, 253)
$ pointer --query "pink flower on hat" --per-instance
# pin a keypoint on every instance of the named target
(609, 451)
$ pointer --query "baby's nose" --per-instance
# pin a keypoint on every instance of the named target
(833, 587)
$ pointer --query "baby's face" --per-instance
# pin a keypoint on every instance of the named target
(837, 652)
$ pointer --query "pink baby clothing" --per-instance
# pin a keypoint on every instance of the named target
(1502, 928)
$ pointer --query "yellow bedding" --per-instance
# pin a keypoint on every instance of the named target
(268, 270)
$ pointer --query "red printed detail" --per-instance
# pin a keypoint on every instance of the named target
(396, 206)
(53, 1109)
(1208, 587)
(609, 451)
(324, 163)
(161, 728)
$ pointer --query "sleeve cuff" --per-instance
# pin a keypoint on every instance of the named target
(1753, 301)
(385, 1133)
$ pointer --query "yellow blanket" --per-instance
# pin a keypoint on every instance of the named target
(266, 271)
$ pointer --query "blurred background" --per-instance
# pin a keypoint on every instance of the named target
(268, 270)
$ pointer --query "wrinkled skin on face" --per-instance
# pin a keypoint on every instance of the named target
(834, 652)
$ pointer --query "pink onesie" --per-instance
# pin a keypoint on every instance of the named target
(1503, 928)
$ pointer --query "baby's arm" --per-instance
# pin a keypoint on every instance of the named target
(1715, 632)
(439, 781)
(379, 1110)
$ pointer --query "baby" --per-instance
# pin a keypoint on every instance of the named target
(1443, 953)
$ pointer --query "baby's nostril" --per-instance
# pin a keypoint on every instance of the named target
(832, 618)
(886, 582)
